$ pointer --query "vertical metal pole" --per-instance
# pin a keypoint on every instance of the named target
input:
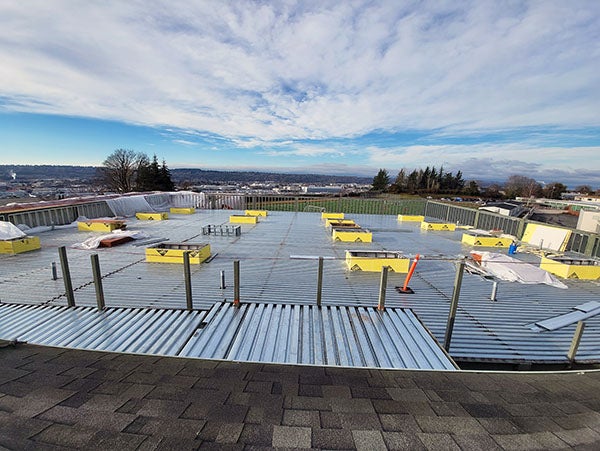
(64, 266)
(454, 304)
(382, 288)
(575, 342)
(54, 274)
(236, 283)
(223, 280)
(320, 282)
(188, 280)
(494, 291)
(97, 281)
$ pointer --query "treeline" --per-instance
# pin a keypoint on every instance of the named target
(204, 176)
(125, 170)
(420, 181)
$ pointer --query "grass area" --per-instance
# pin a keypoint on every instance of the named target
(379, 206)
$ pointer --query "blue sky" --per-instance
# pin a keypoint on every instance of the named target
(490, 88)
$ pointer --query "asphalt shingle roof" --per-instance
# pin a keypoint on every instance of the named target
(52, 398)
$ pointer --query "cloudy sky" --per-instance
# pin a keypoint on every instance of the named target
(493, 88)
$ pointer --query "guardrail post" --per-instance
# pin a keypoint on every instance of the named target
(188, 280)
(454, 304)
(64, 266)
(320, 282)
(236, 283)
(382, 288)
(494, 291)
(576, 340)
(97, 281)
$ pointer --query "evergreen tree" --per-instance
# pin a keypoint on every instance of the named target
(166, 184)
(381, 181)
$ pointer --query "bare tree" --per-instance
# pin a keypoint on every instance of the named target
(120, 169)
(519, 185)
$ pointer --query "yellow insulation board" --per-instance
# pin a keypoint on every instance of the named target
(325, 215)
(19, 245)
(340, 222)
(182, 210)
(352, 236)
(168, 253)
(546, 237)
(411, 218)
(439, 226)
(485, 241)
(242, 219)
(152, 216)
(256, 213)
(96, 225)
(571, 269)
(375, 261)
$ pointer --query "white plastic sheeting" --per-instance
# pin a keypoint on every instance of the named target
(188, 199)
(512, 270)
(9, 231)
(94, 242)
(159, 201)
(129, 205)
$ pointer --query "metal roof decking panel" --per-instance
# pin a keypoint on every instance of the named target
(144, 331)
(484, 330)
(304, 334)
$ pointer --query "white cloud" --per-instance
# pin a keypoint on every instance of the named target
(297, 70)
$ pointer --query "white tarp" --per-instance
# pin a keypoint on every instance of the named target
(128, 206)
(9, 231)
(94, 242)
(512, 270)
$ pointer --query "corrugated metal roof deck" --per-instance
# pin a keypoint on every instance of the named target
(331, 335)
(484, 330)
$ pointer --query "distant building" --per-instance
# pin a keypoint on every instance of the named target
(589, 221)
(322, 189)
(504, 208)
(588, 198)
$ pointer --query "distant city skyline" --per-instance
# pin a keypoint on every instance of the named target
(489, 88)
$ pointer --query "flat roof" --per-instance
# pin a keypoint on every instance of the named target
(270, 272)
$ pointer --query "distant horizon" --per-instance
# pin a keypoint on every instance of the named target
(491, 89)
(485, 182)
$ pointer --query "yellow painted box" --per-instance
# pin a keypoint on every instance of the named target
(353, 235)
(243, 219)
(19, 245)
(339, 222)
(325, 215)
(100, 225)
(182, 210)
(485, 240)
(374, 261)
(152, 216)
(255, 212)
(411, 218)
(173, 252)
(572, 268)
(439, 226)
